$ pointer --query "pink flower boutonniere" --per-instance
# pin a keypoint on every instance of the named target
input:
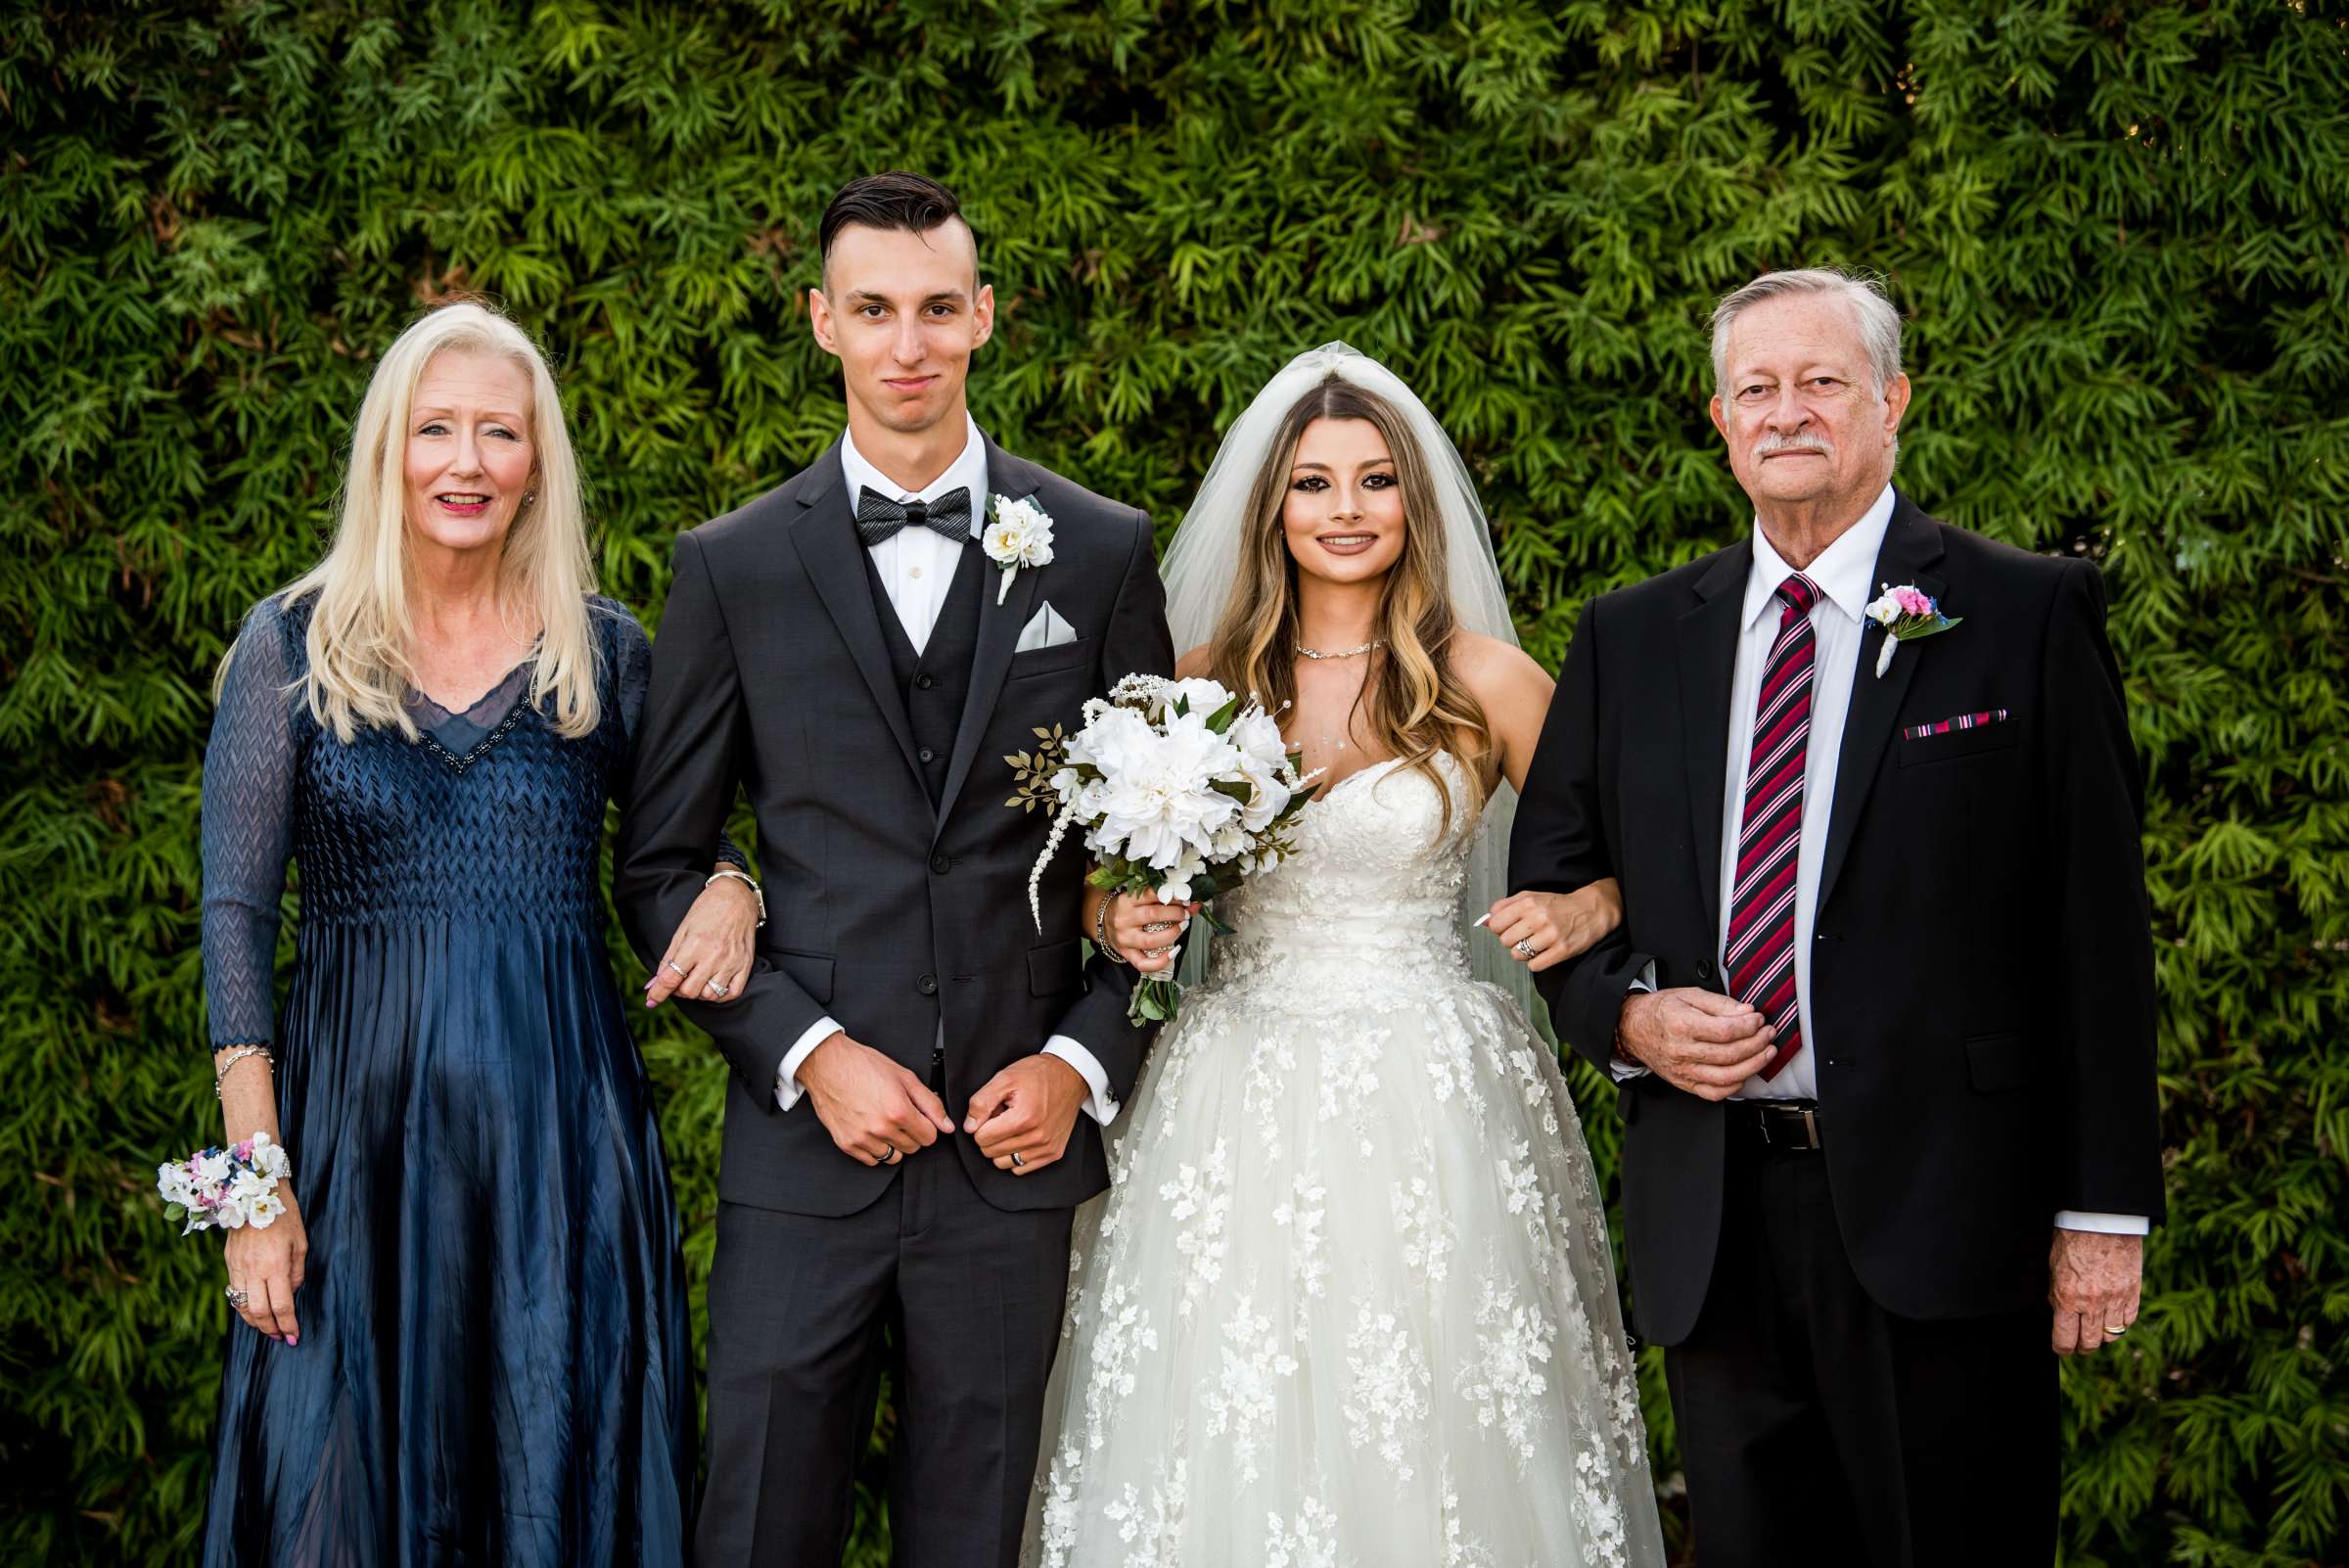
(1906, 614)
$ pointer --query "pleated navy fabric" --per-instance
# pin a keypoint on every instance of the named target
(494, 1363)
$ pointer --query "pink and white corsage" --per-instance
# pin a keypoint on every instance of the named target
(1905, 613)
(229, 1188)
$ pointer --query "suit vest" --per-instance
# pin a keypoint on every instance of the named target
(934, 683)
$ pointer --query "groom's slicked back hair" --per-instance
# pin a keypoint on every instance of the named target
(896, 200)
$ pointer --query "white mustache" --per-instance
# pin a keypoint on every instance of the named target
(1775, 442)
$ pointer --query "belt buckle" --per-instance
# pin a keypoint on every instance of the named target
(1810, 1126)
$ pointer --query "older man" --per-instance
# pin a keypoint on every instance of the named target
(1882, 1007)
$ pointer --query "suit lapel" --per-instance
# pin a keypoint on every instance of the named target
(1911, 543)
(825, 535)
(1708, 657)
(1000, 624)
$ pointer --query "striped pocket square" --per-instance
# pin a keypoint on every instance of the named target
(1962, 721)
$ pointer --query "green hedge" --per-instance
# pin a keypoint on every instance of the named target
(2117, 229)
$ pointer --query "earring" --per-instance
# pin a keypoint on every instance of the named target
(527, 496)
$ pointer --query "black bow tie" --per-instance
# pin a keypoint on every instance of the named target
(879, 518)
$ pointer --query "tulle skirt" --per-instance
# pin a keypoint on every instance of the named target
(1350, 1300)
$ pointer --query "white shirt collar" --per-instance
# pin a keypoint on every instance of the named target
(967, 472)
(1841, 570)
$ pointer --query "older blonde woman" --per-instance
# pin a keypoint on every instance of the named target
(471, 1335)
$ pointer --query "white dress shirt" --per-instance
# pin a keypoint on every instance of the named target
(916, 564)
(1837, 622)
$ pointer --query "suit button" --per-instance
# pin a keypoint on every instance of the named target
(1704, 969)
(924, 683)
(928, 985)
(928, 755)
(941, 864)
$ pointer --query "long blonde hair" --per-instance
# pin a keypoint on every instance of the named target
(1416, 706)
(361, 633)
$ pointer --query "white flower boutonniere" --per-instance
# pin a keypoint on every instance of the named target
(1905, 613)
(1018, 533)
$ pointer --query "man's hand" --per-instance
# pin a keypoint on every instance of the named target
(1029, 1109)
(2092, 1283)
(875, 1110)
(1698, 1040)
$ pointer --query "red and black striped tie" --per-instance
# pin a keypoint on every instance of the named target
(1759, 956)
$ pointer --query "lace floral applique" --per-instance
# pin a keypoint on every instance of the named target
(1387, 1400)
(1504, 1379)
(1245, 1397)
(1203, 1194)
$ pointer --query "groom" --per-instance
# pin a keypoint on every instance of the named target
(918, 1074)
(1881, 1009)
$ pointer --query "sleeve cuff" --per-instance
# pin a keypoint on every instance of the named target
(2111, 1225)
(787, 1076)
(1625, 1071)
(1101, 1107)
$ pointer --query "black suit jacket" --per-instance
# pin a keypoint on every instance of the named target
(771, 675)
(1982, 975)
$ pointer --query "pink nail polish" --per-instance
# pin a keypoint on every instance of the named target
(291, 1340)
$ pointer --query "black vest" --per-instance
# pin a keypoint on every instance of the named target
(934, 682)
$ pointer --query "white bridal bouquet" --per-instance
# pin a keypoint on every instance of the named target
(1181, 790)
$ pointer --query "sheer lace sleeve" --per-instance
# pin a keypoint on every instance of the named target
(247, 827)
(632, 674)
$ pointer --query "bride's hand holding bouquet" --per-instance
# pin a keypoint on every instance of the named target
(1181, 788)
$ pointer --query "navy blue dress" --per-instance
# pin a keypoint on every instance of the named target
(494, 1363)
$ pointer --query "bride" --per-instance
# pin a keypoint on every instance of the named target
(1349, 1300)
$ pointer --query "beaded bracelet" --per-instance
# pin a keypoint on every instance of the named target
(220, 1075)
(1109, 949)
(743, 877)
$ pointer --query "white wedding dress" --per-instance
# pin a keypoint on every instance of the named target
(1349, 1302)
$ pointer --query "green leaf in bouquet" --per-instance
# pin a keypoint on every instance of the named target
(1104, 877)
(1220, 720)
(1215, 923)
(175, 1212)
(1240, 789)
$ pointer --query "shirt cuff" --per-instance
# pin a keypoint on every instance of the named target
(1625, 1071)
(787, 1076)
(1100, 1107)
(2111, 1225)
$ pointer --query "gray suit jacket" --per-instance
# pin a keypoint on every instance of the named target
(771, 675)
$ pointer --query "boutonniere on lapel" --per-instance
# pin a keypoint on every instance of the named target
(1906, 614)
(1018, 533)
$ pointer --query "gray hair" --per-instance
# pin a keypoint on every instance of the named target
(1878, 321)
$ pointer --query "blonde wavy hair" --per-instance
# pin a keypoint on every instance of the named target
(361, 633)
(1415, 705)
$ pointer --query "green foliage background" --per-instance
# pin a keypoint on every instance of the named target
(2118, 230)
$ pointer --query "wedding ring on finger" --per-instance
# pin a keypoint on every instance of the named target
(678, 967)
(237, 1298)
(1016, 1162)
(716, 990)
(1524, 947)
(2110, 1332)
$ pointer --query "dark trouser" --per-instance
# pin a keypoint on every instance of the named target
(961, 1302)
(1818, 1429)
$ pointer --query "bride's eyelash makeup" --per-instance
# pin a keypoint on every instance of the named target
(1313, 484)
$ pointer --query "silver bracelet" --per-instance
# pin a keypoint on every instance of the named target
(743, 877)
(1109, 949)
(221, 1074)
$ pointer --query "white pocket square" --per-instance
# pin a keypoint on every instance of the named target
(1044, 629)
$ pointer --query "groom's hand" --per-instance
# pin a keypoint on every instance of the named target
(1027, 1109)
(875, 1110)
(1697, 1041)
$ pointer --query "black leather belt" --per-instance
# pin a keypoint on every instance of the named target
(1781, 1126)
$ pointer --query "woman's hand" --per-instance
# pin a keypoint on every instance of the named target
(1545, 929)
(710, 956)
(1148, 933)
(266, 1263)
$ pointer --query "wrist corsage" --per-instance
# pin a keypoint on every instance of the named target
(231, 1187)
